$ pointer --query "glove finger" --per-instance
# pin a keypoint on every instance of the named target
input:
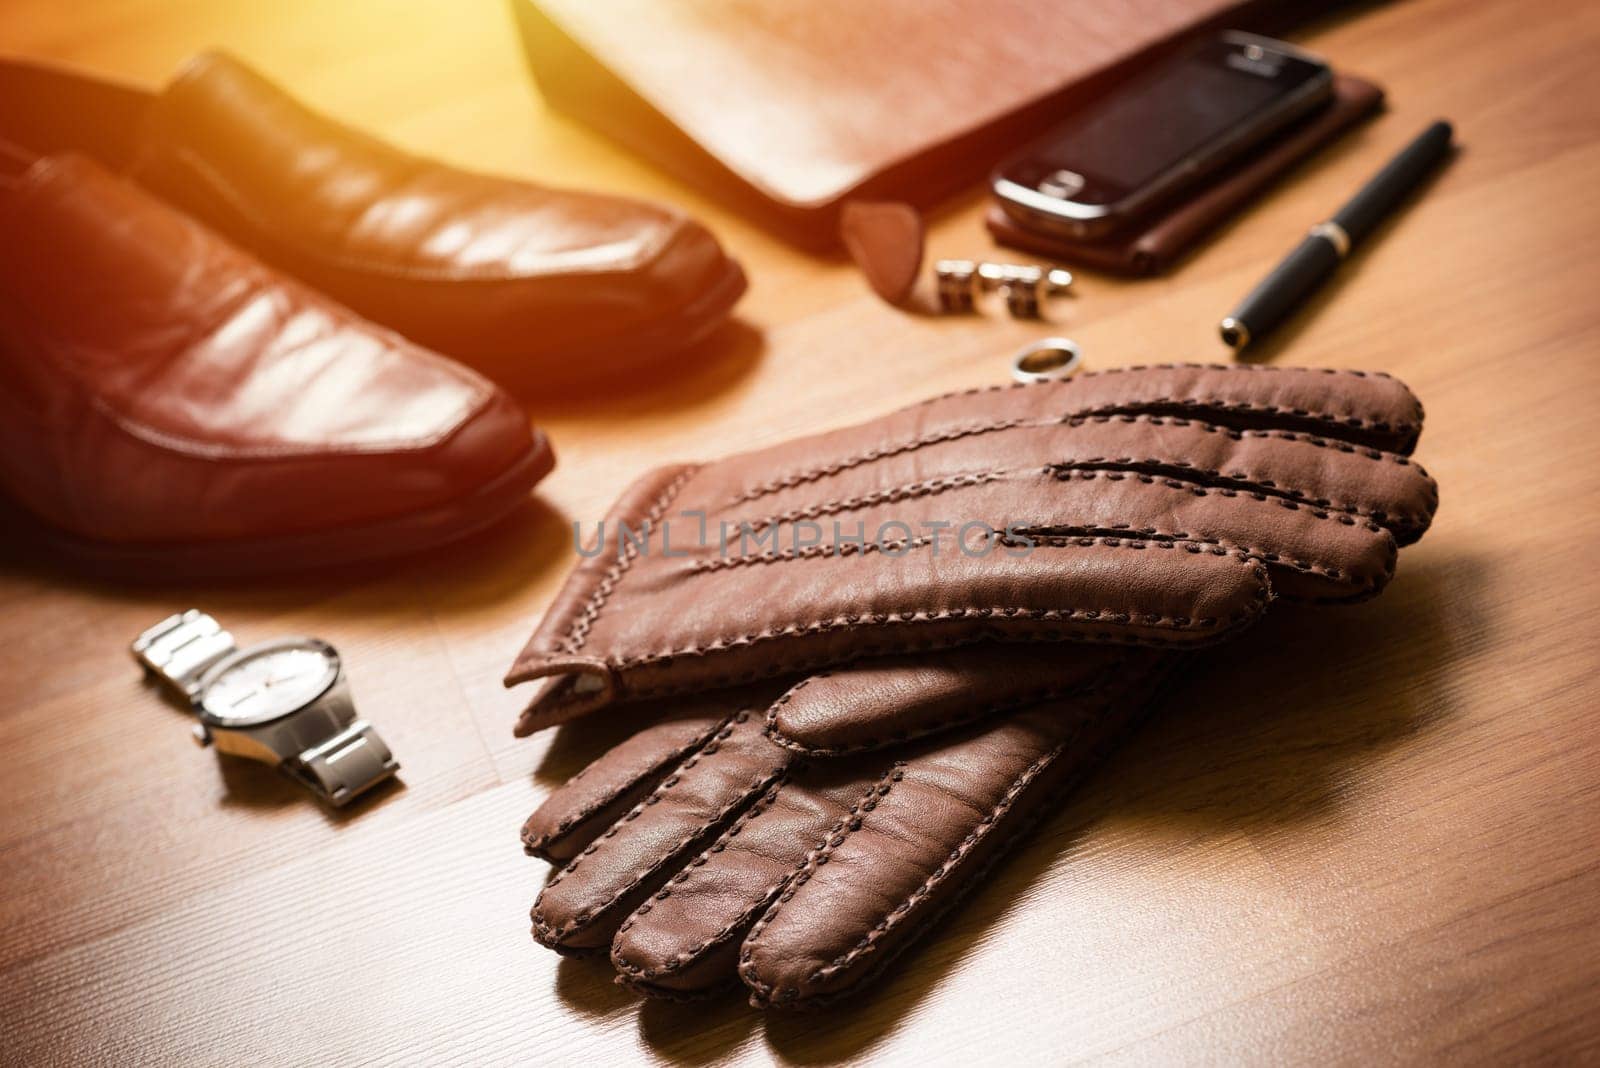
(582, 904)
(1359, 407)
(1362, 407)
(893, 700)
(575, 813)
(684, 939)
(1309, 552)
(1317, 472)
(921, 836)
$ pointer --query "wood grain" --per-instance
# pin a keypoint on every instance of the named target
(1368, 835)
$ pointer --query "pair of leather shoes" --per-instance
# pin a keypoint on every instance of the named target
(193, 378)
(535, 287)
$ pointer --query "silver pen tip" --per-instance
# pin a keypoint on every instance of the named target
(1234, 333)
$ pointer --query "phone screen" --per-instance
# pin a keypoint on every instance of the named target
(1126, 140)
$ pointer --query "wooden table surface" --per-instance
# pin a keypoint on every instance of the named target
(1368, 835)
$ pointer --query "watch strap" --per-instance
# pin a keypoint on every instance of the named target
(181, 648)
(345, 765)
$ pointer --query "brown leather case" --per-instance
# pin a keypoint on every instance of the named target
(1156, 245)
(787, 110)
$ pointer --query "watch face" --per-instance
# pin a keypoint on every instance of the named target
(268, 682)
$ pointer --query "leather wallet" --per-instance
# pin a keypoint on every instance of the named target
(1159, 242)
(788, 110)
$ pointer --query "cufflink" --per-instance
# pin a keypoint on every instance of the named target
(956, 284)
(1022, 285)
(1019, 286)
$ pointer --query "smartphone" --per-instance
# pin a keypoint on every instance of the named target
(1161, 133)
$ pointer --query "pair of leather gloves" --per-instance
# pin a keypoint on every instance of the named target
(842, 727)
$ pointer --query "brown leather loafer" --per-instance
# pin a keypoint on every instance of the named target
(534, 286)
(170, 407)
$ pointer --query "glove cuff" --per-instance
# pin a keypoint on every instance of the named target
(580, 683)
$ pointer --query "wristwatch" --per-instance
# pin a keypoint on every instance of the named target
(284, 702)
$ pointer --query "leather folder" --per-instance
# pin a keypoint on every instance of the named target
(1155, 244)
(788, 109)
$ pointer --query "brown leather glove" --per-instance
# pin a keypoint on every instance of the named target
(805, 833)
(712, 846)
(1156, 506)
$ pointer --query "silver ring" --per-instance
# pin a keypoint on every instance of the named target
(1049, 360)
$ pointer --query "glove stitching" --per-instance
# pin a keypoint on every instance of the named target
(1223, 368)
(1068, 536)
(1142, 367)
(1100, 414)
(1240, 433)
(1322, 508)
(847, 825)
(535, 845)
(893, 917)
(550, 935)
(578, 633)
(764, 993)
(857, 459)
(1262, 595)
(908, 492)
(809, 552)
(693, 954)
(731, 678)
(1375, 455)
(686, 957)
(1173, 623)
(583, 623)
(1219, 547)
(1155, 406)
(933, 486)
(1255, 485)
(1285, 496)
(710, 747)
(1289, 497)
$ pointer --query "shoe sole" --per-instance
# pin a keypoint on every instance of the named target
(310, 551)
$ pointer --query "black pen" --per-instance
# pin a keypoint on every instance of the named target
(1315, 258)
